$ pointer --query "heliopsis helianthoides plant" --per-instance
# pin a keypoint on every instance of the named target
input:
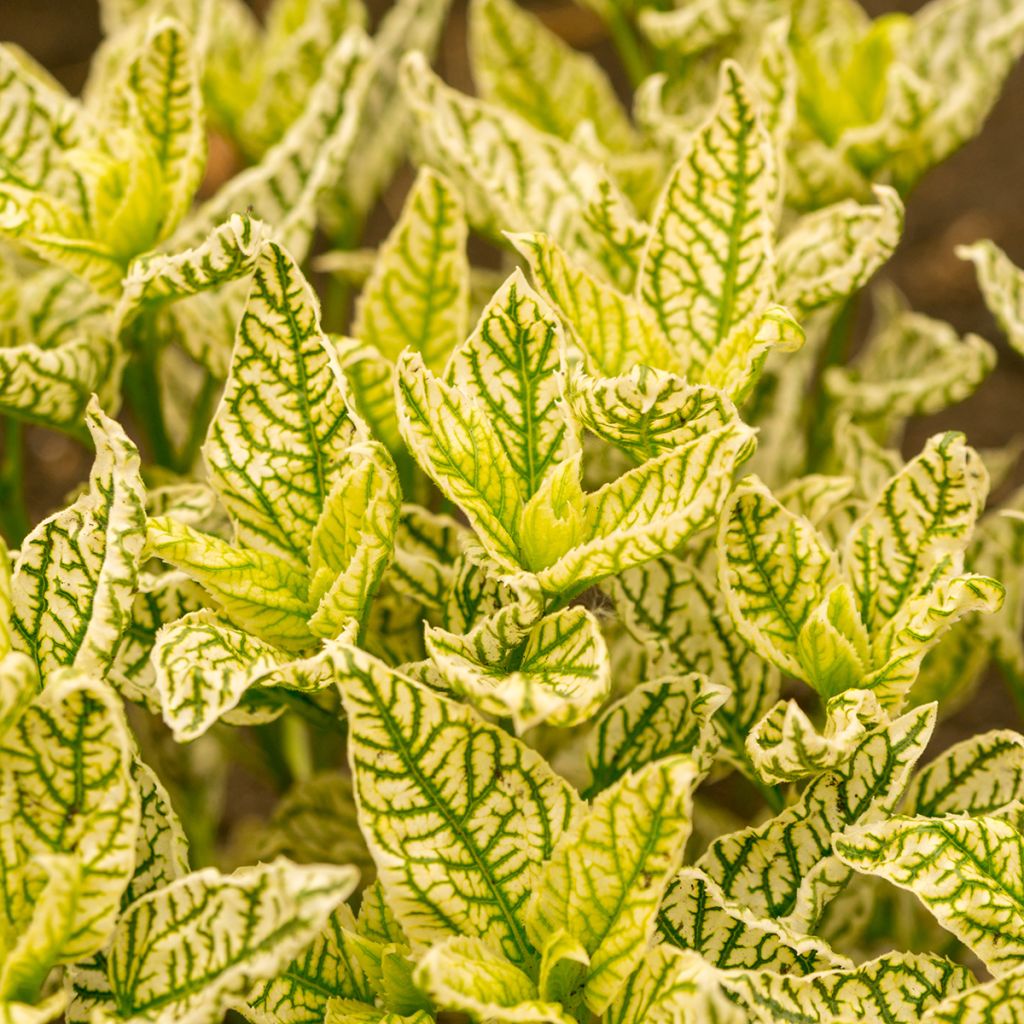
(553, 638)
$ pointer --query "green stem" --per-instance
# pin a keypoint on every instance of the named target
(142, 386)
(13, 516)
(201, 411)
(835, 352)
(631, 51)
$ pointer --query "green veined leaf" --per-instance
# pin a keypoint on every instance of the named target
(259, 592)
(327, 970)
(736, 365)
(708, 264)
(832, 252)
(164, 106)
(672, 985)
(41, 122)
(75, 576)
(914, 535)
(457, 814)
(897, 986)
(608, 873)
(227, 253)
(161, 850)
(651, 510)
(283, 425)
(989, 1003)
(665, 717)
(203, 670)
(353, 542)
(808, 875)
(521, 65)
(775, 569)
(418, 293)
(556, 670)
(255, 922)
(68, 791)
(30, 956)
(696, 27)
(385, 124)
(19, 683)
(297, 38)
(969, 48)
(1002, 287)
(816, 496)
(510, 175)
(911, 365)
(614, 330)
(42, 1012)
(427, 556)
(967, 872)
(159, 599)
(614, 235)
(785, 746)
(508, 368)
(459, 448)
(57, 348)
(466, 975)
(283, 189)
(680, 618)
(696, 915)
(315, 823)
(979, 775)
(646, 412)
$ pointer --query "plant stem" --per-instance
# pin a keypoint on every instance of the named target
(837, 345)
(200, 422)
(631, 52)
(143, 388)
(13, 517)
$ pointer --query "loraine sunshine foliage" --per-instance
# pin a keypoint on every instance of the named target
(572, 618)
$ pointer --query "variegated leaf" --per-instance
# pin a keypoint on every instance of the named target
(76, 573)
(277, 439)
(897, 986)
(1002, 286)
(457, 814)
(912, 365)
(914, 535)
(708, 264)
(283, 189)
(68, 792)
(460, 449)
(159, 600)
(465, 974)
(510, 175)
(681, 619)
(967, 871)
(418, 293)
(252, 924)
(993, 1002)
(353, 541)
(646, 412)
(614, 330)
(785, 745)
(696, 915)
(668, 716)
(507, 368)
(979, 775)
(650, 510)
(520, 64)
(607, 874)
(803, 881)
(555, 670)
(258, 591)
(831, 253)
(326, 970)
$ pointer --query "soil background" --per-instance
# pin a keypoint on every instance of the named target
(979, 193)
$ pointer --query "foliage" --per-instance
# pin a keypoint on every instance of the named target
(579, 627)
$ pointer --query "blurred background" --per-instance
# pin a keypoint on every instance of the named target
(979, 193)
